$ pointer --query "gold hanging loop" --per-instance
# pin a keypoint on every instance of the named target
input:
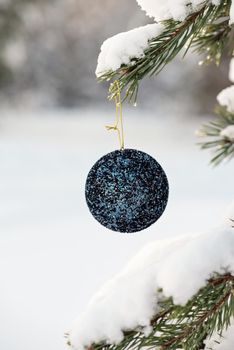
(119, 115)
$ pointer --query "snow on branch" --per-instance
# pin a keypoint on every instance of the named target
(220, 133)
(176, 268)
(175, 9)
(226, 98)
(130, 57)
(123, 47)
(228, 133)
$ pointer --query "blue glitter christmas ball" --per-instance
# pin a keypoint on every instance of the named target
(126, 190)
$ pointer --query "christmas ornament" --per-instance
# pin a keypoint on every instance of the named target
(126, 190)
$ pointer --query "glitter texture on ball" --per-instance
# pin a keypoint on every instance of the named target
(126, 190)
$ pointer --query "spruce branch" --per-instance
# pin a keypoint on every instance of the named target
(185, 327)
(222, 146)
(206, 30)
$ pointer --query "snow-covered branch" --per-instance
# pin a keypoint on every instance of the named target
(173, 268)
(123, 47)
(220, 133)
(176, 9)
(144, 51)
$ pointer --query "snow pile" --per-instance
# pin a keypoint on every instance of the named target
(130, 299)
(228, 133)
(123, 47)
(226, 98)
(176, 9)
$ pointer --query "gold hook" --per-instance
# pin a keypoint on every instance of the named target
(119, 116)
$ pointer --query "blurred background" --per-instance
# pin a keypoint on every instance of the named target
(53, 254)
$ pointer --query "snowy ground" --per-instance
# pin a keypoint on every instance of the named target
(53, 254)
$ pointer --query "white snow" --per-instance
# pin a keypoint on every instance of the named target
(228, 132)
(123, 47)
(231, 70)
(226, 98)
(222, 343)
(129, 300)
(176, 9)
(232, 13)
